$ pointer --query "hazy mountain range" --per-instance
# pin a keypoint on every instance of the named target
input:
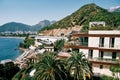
(114, 9)
(15, 26)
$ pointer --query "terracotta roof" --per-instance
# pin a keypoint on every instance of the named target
(31, 56)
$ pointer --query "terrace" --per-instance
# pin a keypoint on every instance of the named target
(104, 60)
(81, 41)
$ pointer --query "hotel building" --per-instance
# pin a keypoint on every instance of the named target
(101, 47)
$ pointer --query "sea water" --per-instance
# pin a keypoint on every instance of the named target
(9, 48)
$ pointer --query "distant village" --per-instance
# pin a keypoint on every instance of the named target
(17, 33)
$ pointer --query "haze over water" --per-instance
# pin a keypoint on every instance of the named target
(9, 48)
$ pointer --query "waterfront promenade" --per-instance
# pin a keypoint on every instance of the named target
(24, 58)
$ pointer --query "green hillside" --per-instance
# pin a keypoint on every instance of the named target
(87, 13)
(13, 26)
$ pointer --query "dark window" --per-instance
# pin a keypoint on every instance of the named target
(91, 64)
(101, 43)
(90, 53)
(101, 53)
(84, 41)
(114, 55)
(101, 66)
(112, 41)
(62, 34)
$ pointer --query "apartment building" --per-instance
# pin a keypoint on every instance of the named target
(102, 48)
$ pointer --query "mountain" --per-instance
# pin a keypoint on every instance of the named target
(15, 26)
(42, 24)
(45, 23)
(114, 9)
(86, 14)
(117, 10)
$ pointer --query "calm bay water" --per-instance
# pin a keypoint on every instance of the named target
(9, 48)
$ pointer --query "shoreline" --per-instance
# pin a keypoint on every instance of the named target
(22, 49)
(12, 37)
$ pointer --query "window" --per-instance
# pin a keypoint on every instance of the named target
(101, 43)
(114, 55)
(90, 54)
(91, 64)
(101, 66)
(84, 41)
(101, 53)
(112, 41)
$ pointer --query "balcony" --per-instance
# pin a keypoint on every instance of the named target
(101, 45)
(73, 43)
(111, 45)
(104, 60)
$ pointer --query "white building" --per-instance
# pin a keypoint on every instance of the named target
(100, 23)
(48, 41)
(102, 48)
(39, 40)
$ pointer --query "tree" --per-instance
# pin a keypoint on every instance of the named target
(8, 70)
(50, 68)
(78, 66)
(59, 44)
(27, 42)
(115, 71)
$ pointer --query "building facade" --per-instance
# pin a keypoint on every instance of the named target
(102, 48)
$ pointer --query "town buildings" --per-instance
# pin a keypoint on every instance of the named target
(9, 33)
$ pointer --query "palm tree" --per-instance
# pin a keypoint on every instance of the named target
(59, 44)
(50, 68)
(78, 66)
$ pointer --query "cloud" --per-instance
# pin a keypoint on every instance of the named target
(114, 8)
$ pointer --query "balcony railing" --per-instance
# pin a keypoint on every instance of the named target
(111, 45)
(77, 43)
(104, 60)
(101, 45)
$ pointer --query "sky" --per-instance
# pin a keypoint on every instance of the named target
(33, 11)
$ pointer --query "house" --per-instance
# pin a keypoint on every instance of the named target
(100, 23)
(48, 39)
(101, 47)
(47, 42)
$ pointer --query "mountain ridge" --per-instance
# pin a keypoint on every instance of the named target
(17, 26)
(86, 14)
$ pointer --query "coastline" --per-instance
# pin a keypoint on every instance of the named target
(22, 49)
(12, 37)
